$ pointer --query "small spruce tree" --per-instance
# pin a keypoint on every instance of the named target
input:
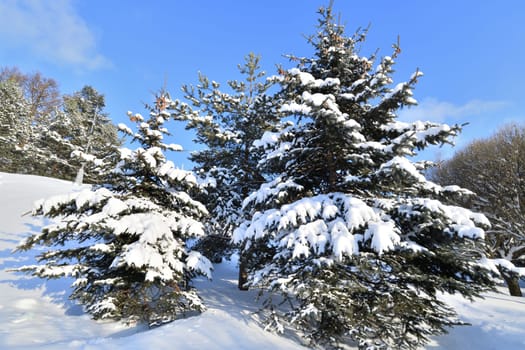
(227, 122)
(124, 241)
(348, 230)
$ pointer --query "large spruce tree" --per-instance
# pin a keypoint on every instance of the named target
(124, 241)
(349, 230)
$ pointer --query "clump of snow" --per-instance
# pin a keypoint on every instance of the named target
(114, 206)
(493, 264)
(384, 236)
(124, 128)
(268, 139)
(169, 169)
(174, 147)
(308, 79)
(86, 157)
(296, 108)
(405, 165)
(276, 188)
(197, 262)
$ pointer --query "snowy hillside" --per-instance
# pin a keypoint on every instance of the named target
(36, 314)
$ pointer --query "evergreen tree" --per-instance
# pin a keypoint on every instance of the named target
(15, 128)
(349, 231)
(54, 145)
(228, 123)
(124, 241)
(92, 134)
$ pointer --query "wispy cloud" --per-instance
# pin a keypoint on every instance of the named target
(51, 30)
(439, 111)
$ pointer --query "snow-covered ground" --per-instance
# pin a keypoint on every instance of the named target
(36, 314)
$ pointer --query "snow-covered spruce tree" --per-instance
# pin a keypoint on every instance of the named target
(350, 232)
(15, 128)
(55, 145)
(227, 123)
(93, 133)
(124, 241)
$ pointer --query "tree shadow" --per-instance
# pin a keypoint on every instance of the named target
(57, 290)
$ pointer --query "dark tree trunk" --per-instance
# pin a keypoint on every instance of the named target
(243, 274)
(513, 285)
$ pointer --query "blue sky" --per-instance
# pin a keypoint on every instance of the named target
(471, 52)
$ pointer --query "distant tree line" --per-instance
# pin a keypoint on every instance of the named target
(494, 169)
(45, 133)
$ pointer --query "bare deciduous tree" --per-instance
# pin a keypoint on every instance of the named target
(41, 93)
(494, 169)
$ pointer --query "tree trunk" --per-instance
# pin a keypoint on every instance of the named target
(332, 173)
(243, 274)
(514, 286)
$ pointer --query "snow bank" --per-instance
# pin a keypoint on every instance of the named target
(35, 314)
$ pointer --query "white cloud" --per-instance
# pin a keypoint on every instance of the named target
(438, 111)
(51, 30)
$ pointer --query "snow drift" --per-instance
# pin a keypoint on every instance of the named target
(36, 314)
